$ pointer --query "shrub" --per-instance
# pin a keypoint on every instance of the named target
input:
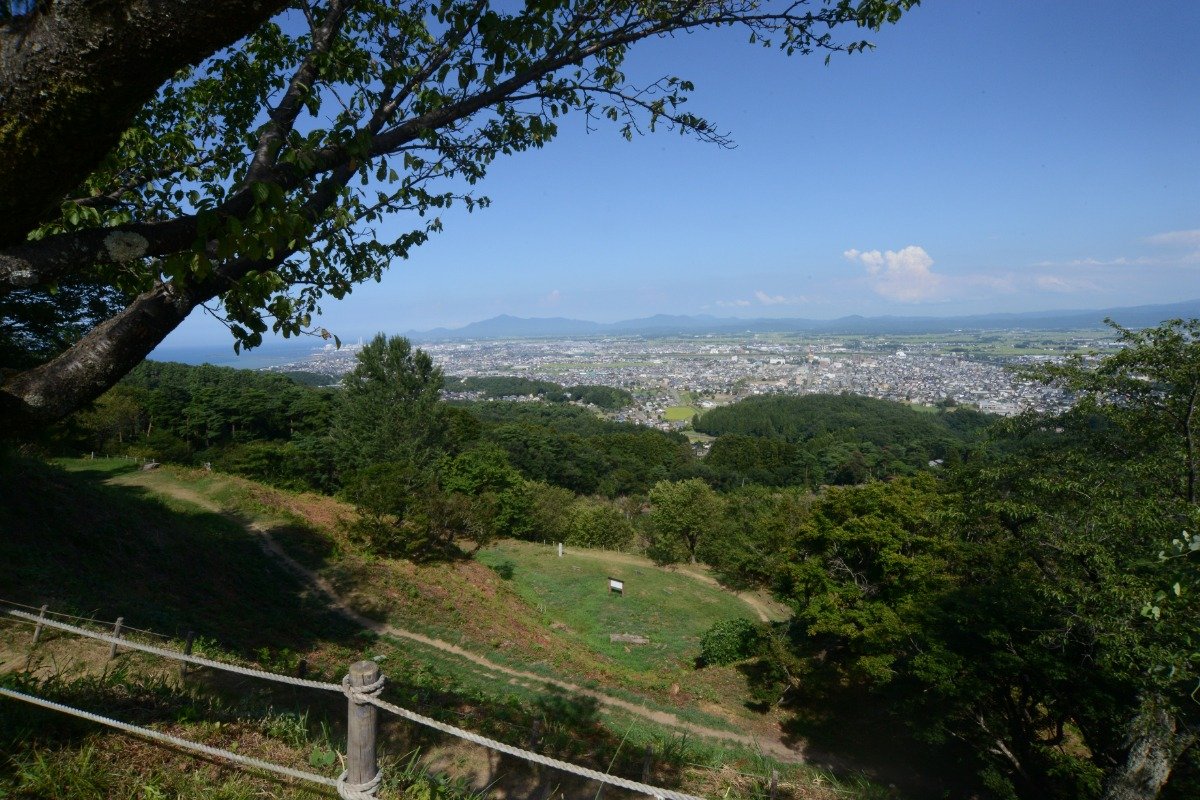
(729, 641)
(598, 524)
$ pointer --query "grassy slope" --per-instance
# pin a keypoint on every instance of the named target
(466, 603)
(97, 540)
(673, 610)
(89, 547)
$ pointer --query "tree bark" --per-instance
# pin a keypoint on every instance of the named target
(1152, 746)
(75, 72)
(51, 391)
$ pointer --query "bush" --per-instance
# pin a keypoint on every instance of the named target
(598, 524)
(729, 641)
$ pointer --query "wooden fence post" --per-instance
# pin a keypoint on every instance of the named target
(302, 669)
(37, 634)
(774, 783)
(535, 735)
(647, 763)
(188, 641)
(112, 651)
(361, 765)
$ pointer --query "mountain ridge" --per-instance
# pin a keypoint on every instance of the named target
(509, 326)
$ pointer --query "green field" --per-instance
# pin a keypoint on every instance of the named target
(680, 413)
(670, 608)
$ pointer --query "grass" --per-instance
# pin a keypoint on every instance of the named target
(48, 755)
(86, 546)
(669, 608)
(680, 413)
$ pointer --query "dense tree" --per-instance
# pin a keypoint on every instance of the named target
(759, 525)
(570, 447)
(403, 513)
(257, 424)
(389, 411)
(597, 523)
(1150, 389)
(682, 515)
(833, 439)
(500, 501)
(507, 386)
(256, 179)
(1017, 607)
(606, 397)
(858, 570)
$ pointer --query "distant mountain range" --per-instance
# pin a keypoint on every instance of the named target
(509, 327)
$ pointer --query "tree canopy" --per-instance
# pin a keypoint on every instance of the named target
(832, 439)
(1020, 605)
(254, 183)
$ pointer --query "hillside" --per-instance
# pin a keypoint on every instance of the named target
(174, 550)
(835, 439)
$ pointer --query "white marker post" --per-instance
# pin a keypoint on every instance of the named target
(560, 549)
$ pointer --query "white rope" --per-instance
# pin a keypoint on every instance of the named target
(370, 694)
(362, 695)
(178, 656)
(173, 740)
(537, 758)
(92, 620)
(360, 791)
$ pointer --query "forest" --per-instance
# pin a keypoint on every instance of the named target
(1018, 594)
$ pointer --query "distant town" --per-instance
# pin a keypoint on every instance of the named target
(674, 377)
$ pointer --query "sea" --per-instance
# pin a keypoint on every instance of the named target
(271, 354)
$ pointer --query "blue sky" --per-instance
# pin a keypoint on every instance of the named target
(989, 155)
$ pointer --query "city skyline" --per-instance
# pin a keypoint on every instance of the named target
(986, 157)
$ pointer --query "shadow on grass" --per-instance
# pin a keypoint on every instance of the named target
(83, 546)
(850, 733)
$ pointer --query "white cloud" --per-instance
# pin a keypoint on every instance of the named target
(778, 299)
(1005, 282)
(1184, 244)
(1095, 262)
(1056, 283)
(1176, 238)
(764, 299)
(552, 299)
(903, 275)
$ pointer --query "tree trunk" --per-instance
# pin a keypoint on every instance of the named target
(95, 363)
(73, 73)
(1152, 746)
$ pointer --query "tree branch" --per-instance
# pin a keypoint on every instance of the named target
(83, 69)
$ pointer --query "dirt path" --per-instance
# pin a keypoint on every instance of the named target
(770, 746)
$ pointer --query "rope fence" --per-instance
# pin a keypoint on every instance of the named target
(80, 618)
(167, 738)
(362, 687)
(177, 655)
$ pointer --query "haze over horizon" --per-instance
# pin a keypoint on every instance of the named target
(986, 157)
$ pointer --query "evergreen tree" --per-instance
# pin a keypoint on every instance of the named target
(389, 410)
